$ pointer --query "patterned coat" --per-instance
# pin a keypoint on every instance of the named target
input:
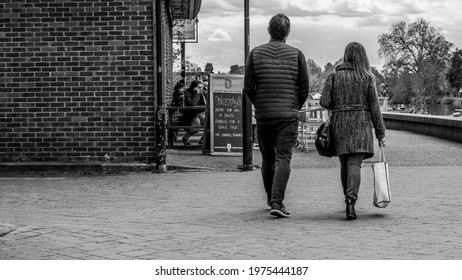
(355, 109)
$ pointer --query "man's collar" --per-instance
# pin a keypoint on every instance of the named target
(277, 40)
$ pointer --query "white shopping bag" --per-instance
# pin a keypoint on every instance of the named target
(382, 193)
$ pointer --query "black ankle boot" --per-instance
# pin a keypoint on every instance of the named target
(350, 209)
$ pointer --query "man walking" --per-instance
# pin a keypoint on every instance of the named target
(276, 82)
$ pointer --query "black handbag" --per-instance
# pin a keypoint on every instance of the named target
(324, 140)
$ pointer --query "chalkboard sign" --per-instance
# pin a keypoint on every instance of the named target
(225, 100)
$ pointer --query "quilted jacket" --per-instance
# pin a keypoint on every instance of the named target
(276, 80)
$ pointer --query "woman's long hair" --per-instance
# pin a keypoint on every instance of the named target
(194, 84)
(355, 54)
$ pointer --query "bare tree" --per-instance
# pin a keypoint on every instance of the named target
(412, 46)
(421, 51)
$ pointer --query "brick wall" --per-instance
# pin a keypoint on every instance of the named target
(168, 63)
(77, 80)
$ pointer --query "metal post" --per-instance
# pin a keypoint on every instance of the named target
(183, 62)
(246, 104)
(160, 113)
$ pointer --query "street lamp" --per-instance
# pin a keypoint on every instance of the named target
(247, 164)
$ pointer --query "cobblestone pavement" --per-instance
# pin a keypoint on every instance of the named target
(223, 215)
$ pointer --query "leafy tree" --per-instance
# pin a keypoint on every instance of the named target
(191, 66)
(401, 88)
(209, 67)
(328, 68)
(454, 75)
(178, 36)
(316, 76)
(419, 51)
(236, 69)
(378, 75)
(379, 81)
(313, 68)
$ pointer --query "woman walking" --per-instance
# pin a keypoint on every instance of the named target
(351, 95)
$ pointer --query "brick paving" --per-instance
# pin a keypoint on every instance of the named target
(223, 215)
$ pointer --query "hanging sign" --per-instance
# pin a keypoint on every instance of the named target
(185, 31)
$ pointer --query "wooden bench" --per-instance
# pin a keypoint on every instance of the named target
(173, 121)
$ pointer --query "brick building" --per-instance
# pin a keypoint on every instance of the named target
(78, 78)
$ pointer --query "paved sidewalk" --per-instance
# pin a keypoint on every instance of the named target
(223, 215)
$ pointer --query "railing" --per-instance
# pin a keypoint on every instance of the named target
(173, 121)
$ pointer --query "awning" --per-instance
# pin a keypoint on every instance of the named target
(185, 9)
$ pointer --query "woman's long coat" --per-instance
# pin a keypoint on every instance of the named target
(355, 110)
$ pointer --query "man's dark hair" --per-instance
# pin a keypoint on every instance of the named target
(279, 27)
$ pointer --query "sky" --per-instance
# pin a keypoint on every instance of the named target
(319, 28)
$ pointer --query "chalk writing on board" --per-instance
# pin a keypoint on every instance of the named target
(226, 114)
(235, 101)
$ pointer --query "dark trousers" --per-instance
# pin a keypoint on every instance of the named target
(196, 121)
(350, 174)
(276, 138)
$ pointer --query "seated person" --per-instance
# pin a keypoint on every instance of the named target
(178, 100)
(194, 96)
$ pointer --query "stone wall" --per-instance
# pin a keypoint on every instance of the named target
(449, 128)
